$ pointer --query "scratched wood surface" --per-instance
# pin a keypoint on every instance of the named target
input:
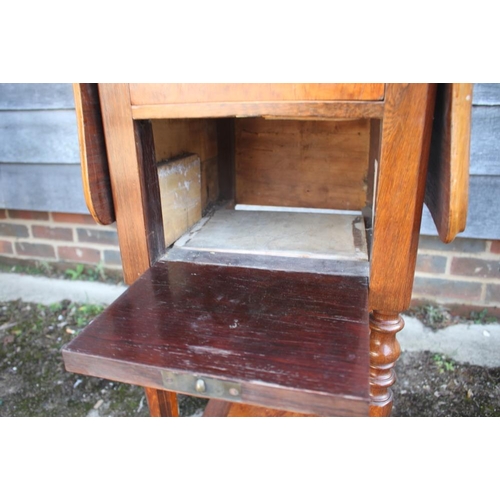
(295, 341)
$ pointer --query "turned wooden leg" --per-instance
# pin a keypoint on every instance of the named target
(384, 352)
(162, 403)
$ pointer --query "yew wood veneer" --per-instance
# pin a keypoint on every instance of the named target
(254, 338)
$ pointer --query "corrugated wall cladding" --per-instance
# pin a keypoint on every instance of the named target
(39, 158)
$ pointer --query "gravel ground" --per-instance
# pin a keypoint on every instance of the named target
(33, 381)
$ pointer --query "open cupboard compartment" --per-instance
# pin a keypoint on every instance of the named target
(250, 190)
(262, 294)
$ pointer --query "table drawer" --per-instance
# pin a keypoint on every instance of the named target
(178, 93)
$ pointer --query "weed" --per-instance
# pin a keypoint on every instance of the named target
(481, 318)
(76, 273)
(434, 316)
(443, 364)
(85, 313)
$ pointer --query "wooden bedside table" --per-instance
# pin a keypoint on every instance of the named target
(287, 295)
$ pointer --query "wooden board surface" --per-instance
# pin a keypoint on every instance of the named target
(292, 110)
(218, 408)
(174, 138)
(294, 341)
(180, 191)
(300, 235)
(93, 156)
(406, 132)
(164, 93)
(447, 185)
(302, 163)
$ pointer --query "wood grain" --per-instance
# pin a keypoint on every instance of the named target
(241, 410)
(180, 192)
(302, 163)
(162, 93)
(94, 161)
(175, 138)
(447, 186)
(294, 341)
(134, 182)
(317, 110)
(162, 403)
(384, 352)
(406, 133)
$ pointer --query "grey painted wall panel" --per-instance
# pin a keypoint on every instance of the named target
(51, 188)
(18, 96)
(485, 141)
(39, 137)
(486, 94)
(483, 218)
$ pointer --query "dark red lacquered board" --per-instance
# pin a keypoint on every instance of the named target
(292, 341)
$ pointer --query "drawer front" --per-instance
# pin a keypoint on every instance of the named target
(179, 93)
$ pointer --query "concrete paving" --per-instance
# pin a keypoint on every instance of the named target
(475, 344)
(47, 291)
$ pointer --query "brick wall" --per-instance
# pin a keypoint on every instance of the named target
(466, 271)
(57, 238)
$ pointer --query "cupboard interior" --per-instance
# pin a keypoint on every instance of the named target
(259, 164)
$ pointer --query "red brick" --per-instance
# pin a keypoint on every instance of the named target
(493, 293)
(3, 213)
(35, 250)
(447, 289)
(112, 258)
(15, 230)
(73, 218)
(431, 263)
(52, 233)
(97, 236)
(80, 254)
(6, 247)
(477, 268)
(495, 246)
(28, 214)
